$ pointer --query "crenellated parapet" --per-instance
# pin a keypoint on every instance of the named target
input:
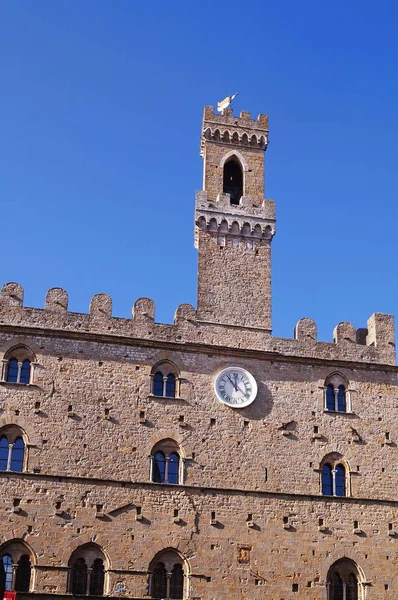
(374, 344)
(235, 131)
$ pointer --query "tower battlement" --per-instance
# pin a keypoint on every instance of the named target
(236, 131)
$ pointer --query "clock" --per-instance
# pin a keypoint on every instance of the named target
(235, 387)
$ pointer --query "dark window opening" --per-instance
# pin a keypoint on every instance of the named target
(171, 386)
(341, 402)
(233, 181)
(177, 583)
(159, 582)
(327, 480)
(22, 576)
(97, 578)
(158, 384)
(159, 467)
(79, 577)
(340, 480)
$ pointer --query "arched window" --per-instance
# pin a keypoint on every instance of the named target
(342, 581)
(159, 467)
(170, 386)
(330, 401)
(336, 587)
(158, 384)
(22, 576)
(15, 553)
(327, 480)
(79, 577)
(233, 180)
(177, 582)
(159, 587)
(341, 402)
(12, 372)
(7, 566)
(18, 363)
(337, 398)
(97, 578)
(339, 480)
(87, 571)
(173, 468)
(352, 587)
(333, 477)
(12, 450)
(167, 579)
(165, 381)
(166, 462)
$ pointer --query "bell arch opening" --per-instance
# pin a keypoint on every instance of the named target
(233, 180)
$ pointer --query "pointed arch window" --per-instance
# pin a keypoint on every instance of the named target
(343, 581)
(233, 180)
(12, 450)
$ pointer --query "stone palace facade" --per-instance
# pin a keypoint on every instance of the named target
(205, 459)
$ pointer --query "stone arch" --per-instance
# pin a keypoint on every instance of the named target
(168, 574)
(347, 574)
(20, 546)
(28, 433)
(89, 547)
(212, 226)
(100, 542)
(88, 570)
(223, 228)
(335, 557)
(337, 378)
(167, 434)
(236, 154)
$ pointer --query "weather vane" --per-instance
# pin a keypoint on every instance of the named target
(226, 103)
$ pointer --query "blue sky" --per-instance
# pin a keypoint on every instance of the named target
(101, 110)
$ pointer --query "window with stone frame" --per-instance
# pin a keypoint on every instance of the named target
(344, 581)
(12, 449)
(15, 567)
(165, 381)
(87, 571)
(166, 463)
(337, 397)
(18, 366)
(168, 576)
(334, 476)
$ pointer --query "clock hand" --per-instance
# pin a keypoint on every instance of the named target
(234, 384)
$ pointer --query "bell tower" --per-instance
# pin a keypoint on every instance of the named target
(234, 224)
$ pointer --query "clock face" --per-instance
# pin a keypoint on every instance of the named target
(235, 387)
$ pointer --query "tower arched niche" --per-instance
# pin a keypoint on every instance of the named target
(234, 166)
